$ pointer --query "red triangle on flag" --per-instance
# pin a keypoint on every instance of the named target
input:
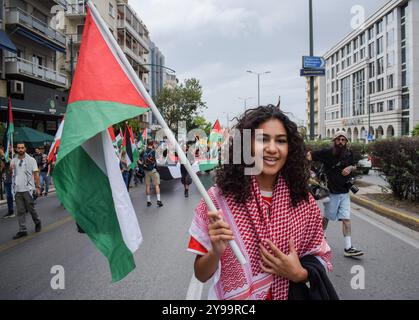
(99, 76)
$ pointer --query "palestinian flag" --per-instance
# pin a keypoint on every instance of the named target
(143, 140)
(113, 139)
(87, 176)
(8, 134)
(53, 151)
(130, 148)
(215, 138)
(119, 138)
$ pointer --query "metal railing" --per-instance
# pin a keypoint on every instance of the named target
(18, 16)
(75, 9)
(16, 65)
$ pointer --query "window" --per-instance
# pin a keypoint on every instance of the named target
(380, 107)
(371, 69)
(372, 108)
(380, 66)
(356, 57)
(362, 39)
(390, 105)
(346, 88)
(390, 17)
(358, 93)
(348, 61)
(404, 79)
(380, 46)
(379, 26)
(371, 87)
(390, 82)
(405, 102)
(111, 10)
(355, 42)
(371, 33)
(348, 48)
(371, 50)
(362, 54)
(380, 85)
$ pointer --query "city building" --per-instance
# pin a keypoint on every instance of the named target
(157, 73)
(372, 76)
(319, 94)
(29, 64)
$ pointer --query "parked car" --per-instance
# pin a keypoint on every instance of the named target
(365, 164)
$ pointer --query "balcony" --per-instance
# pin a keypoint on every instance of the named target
(75, 38)
(61, 2)
(16, 16)
(25, 68)
(75, 11)
(122, 24)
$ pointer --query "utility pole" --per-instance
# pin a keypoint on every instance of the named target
(311, 78)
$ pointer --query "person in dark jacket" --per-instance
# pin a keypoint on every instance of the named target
(339, 164)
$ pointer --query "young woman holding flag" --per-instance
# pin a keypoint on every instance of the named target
(275, 220)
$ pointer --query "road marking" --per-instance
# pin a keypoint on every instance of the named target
(45, 229)
(195, 289)
(409, 240)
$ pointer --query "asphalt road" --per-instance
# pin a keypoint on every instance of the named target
(164, 267)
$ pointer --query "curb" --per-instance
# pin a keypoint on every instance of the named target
(398, 216)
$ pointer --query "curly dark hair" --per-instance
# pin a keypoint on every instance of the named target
(230, 178)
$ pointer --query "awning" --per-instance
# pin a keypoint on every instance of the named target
(6, 43)
(41, 41)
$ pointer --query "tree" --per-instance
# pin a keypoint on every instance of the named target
(203, 124)
(415, 132)
(181, 103)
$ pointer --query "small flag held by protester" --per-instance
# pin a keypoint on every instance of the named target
(53, 151)
(8, 134)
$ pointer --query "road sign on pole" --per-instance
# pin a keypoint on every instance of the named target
(313, 63)
(312, 72)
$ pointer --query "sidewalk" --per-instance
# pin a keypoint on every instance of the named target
(365, 197)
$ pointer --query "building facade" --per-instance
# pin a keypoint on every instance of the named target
(157, 70)
(30, 75)
(319, 94)
(372, 76)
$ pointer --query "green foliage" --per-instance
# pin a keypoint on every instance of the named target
(399, 161)
(203, 124)
(181, 103)
(415, 132)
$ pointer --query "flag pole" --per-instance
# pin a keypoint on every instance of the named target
(139, 86)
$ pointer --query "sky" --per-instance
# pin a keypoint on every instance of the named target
(217, 41)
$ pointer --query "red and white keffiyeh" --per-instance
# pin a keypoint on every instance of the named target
(252, 223)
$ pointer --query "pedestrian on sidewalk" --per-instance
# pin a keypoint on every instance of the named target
(25, 186)
(338, 163)
(269, 210)
(152, 176)
(6, 174)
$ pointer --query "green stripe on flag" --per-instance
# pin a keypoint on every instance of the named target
(83, 187)
(84, 119)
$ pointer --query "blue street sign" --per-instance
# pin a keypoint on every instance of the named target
(313, 63)
(312, 72)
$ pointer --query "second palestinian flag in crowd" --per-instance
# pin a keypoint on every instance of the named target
(131, 149)
(87, 175)
(8, 134)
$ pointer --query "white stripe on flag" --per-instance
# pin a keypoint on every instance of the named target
(101, 150)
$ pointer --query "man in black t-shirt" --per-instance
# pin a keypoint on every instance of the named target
(338, 162)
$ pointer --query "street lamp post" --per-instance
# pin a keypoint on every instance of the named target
(312, 132)
(258, 75)
(245, 101)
